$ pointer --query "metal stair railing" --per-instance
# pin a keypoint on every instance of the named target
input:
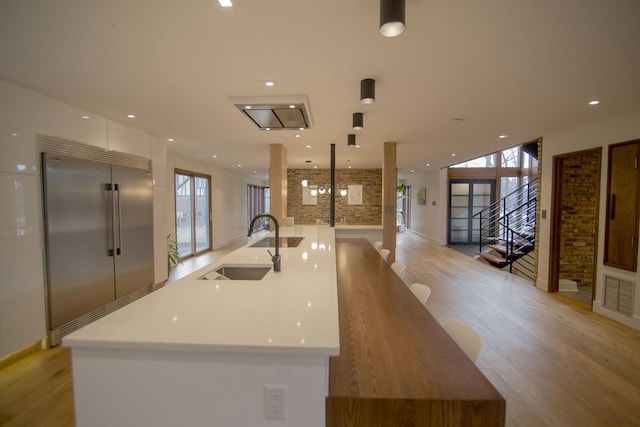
(512, 220)
(490, 220)
(520, 225)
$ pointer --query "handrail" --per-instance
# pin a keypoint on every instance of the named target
(515, 225)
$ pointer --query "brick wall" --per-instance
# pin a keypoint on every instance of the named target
(369, 213)
(580, 186)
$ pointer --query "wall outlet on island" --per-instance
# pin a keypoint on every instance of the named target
(275, 401)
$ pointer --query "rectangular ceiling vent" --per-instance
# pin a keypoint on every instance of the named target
(275, 112)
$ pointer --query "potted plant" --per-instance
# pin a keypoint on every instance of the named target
(400, 196)
(173, 257)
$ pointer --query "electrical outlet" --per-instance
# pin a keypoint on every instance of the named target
(275, 401)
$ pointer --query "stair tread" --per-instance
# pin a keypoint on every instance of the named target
(522, 248)
(491, 257)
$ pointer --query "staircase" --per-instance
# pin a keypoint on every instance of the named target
(508, 231)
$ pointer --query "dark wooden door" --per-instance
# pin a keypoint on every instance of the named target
(621, 234)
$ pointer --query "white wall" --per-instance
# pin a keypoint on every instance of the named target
(25, 114)
(228, 199)
(430, 220)
(600, 133)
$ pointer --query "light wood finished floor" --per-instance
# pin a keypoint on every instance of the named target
(555, 362)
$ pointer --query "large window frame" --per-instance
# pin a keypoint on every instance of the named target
(258, 200)
(193, 211)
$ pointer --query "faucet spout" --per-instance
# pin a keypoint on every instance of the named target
(274, 258)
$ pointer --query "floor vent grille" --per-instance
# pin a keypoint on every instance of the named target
(618, 295)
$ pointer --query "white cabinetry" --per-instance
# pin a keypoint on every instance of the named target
(71, 123)
(22, 317)
(125, 139)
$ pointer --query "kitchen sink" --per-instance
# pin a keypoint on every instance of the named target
(270, 242)
(237, 272)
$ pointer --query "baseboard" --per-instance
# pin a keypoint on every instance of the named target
(19, 354)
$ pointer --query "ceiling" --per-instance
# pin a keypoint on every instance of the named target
(463, 72)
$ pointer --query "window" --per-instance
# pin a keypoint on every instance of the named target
(510, 158)
(488, 161)
(193, 212)
(257, 203)
(467, 198)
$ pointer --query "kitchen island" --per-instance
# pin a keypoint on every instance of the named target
(337, 330)
(203, 352)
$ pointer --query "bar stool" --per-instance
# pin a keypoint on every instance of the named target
(466, 338)
(398, 267)
(422, 292)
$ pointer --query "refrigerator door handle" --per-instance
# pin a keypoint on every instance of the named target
(118, 217)
(108, 191)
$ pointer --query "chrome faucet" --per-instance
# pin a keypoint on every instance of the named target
(274, 258)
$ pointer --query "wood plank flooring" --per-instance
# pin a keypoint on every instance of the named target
(555, 362)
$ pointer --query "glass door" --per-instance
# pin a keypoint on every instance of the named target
(193, 213)
(466, 198)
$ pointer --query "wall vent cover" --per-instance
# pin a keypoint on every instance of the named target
(275, 112)
(618, 295)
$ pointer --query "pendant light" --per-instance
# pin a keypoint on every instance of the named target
(367, 91)
(391, 17)
(358, 121)
(351, 140)
(305, 181)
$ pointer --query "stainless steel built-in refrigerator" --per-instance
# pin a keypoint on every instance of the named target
(99, 236)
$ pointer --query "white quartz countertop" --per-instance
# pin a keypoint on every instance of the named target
(294, 311)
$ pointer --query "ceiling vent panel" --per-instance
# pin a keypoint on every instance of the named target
(292, 117)
(263, 118)
(275, 112)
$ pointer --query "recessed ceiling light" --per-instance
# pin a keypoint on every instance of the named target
(428, 164)
(170, 139)
(225, 3)
(239, 165)
(308, 146)
(412, 171)
(301, 128)
(297, 135)
(267, 128)
(503, 136)
(131, 116)
(269, 83)
(14, 134)
(215, 156)
(453, 154)
(594, 102)
(86, 117)
(247, 107)
(292, 106)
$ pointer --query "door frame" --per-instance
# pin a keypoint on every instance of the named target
(556, 219)
(193, 175)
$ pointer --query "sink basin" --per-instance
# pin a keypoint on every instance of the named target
(270, 242)
(237, 272)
